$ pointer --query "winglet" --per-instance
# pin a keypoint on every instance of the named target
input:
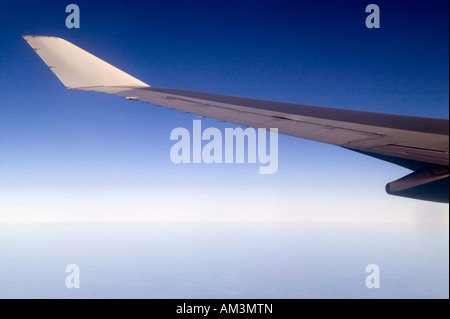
(77, 68)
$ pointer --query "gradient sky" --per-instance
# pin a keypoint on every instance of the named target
(72, 156)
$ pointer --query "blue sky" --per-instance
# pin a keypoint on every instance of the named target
(72, 156)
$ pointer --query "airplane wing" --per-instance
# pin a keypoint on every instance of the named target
(417, 143)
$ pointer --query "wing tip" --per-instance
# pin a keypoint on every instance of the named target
(27, 36)
(77, 68)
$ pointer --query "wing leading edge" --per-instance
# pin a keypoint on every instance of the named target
(420, 144)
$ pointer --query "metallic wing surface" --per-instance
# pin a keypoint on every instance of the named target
(417, 143)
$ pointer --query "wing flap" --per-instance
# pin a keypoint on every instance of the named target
(363, 133)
